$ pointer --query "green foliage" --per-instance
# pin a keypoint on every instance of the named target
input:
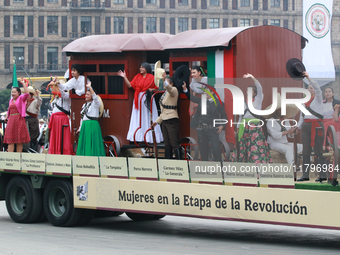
(5, 96)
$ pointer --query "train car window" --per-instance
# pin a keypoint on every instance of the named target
(89, 68)
(115, 85)
(98, 83)
(111, 68)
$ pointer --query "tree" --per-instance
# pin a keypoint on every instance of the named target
(5, 96)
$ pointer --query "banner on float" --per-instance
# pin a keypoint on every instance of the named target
(143, 168)
(173, 170)
(274, 206)
(33, 163)
(113, 167)
(59, 165)
(317, 55)
(240, 174)
(276, 176)
(10, 161)
(205, 172)
(85, 166)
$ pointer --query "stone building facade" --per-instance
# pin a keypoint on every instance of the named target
(35, 31)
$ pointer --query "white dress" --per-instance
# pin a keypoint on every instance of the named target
(134, 122)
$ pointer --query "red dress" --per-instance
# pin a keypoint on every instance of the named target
(16, 129)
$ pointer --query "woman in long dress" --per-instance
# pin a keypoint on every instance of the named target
(252, 141)
(16, 130)
(90, 141)
(140, 83)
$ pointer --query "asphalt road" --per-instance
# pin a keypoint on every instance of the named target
(170, 235)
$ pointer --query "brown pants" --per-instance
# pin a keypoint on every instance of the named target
(307, 149)
(170, 130)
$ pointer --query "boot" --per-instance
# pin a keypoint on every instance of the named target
(305, 169)
(168, 154)
(178, 154)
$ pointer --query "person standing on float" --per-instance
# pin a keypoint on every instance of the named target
(140, 83)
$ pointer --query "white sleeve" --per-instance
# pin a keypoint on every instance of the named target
(299, 125)
(96, 101)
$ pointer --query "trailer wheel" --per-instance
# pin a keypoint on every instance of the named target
(86, 216)
(140, 216)
(112, 145)
(58, 204)
(158, 217)
(23, 202)
(189, 148)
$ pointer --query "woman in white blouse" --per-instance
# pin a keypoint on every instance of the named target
(59, 125)
(328, 110)
(90, 141)
(77, 82)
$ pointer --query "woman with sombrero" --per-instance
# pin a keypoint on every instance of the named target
(140, 83)
(59, 125)
(90, 141)
(16, 129)
(253, 147)
(279, 128)
(312, 125)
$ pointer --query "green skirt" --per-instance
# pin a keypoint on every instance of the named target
(90, 141)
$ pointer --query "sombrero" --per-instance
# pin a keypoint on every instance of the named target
(295, 68)
(101, 108)
(158, 72)
(31, 90)
(291, 109)
(182, 74)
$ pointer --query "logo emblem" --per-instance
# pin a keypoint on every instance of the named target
(318, 20)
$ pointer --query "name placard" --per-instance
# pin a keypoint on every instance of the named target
(143, 168)
(240, 174)
(59, 164)
(33, 163)
(205, 172)
(276, 175)
(176, 170)
(85, 166)
(10, 161)
(113, 167)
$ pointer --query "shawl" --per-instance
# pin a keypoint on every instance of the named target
(140, 84)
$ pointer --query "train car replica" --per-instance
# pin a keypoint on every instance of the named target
(70, 190)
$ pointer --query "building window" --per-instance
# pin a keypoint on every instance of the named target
(52, 58)
(275, 3)
(18, 0)
(118, 1)
(244, 22)
(214, 23)
(18, 55)
(214, 2)
(85, 25)
(151, 25)
(245, 3)
(183, 2)
(182, 24)
(18, 24)
(151, 1)
(275, 22)
(52, 1)
(118, 25)
(52, 25)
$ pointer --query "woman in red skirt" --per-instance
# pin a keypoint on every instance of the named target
(16, 129)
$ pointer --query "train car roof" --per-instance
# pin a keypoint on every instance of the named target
(118, 43)
(203, 38)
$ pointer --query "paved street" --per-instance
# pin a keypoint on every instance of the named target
(171, 235)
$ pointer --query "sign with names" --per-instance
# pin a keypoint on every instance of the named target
(143, 168)
(276, 175)
(85, 166)
(33, 163)
(113, 167)
(240, 174)
(10, 161)
(176, 170)
(59, 164)
(205, 172)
